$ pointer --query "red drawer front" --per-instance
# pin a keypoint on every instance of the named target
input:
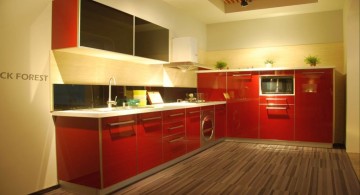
(174, 146)
(220, 121)
(149, 140)
(192, 128)
(277, 99)
(207, 108)
(174, 115)
(277, 122)
(118, 149)
(173, 128)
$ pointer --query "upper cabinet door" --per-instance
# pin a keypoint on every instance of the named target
(151, 40)
(105, 28)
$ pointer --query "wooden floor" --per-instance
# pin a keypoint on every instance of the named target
(245, 168)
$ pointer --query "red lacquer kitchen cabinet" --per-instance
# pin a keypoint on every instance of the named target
(77, 151)
(150, 152)
(192, 128)
(314, 105)
(212, 85)
(243, 104)
(119, 148)
(277, 117)
(220, 121)
(174, 143)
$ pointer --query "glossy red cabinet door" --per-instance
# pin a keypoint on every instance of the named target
(77, 151)
(314, 105)
(220, 121)
(192, 128)
(277, 120)
(243, 104)
(174, 143)
(212, 85)
(119, 151)
(149, 140)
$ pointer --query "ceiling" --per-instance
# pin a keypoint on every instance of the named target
(216, 11)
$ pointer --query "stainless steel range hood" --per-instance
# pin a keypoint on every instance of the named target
(186, 66)
(185, 54)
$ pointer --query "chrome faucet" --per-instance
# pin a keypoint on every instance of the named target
(111, 102)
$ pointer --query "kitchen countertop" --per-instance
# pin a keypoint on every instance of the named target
(266, 69)
(120, 111)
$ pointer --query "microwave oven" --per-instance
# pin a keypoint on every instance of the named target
(277, 85)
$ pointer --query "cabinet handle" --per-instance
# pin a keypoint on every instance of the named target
(193, 112)
(241, 75)
(278, 99)
(121, 123)
(276, 108)
(178, 114)
(313, 72)
(176, 140)
(151, 119)
(176, 127)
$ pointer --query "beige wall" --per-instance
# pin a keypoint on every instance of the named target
(351, 29)
(27, 140)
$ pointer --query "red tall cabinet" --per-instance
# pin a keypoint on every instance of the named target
(314, 105)
(243, 104)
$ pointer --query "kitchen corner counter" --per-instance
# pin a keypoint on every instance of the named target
(121, 111)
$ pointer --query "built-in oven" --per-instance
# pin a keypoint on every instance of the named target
(277, 85)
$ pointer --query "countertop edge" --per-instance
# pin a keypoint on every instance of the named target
(265, 69)
(88, 113)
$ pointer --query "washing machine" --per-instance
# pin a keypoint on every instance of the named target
(207, 128)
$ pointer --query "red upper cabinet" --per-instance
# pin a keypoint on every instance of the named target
(119, 153)
(149, 140)
(314, 105)
(212, 85)
(193, 128)
(87, 23)
(243, 104)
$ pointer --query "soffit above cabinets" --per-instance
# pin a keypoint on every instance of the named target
(236, 5)
(212, 11)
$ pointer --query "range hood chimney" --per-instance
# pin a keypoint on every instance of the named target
(185, 54)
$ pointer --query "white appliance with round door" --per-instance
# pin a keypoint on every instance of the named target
(207, 128)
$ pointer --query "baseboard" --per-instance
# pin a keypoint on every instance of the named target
(46, 190)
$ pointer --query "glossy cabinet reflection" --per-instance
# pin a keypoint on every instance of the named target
(212, 85)
(192, 128)
(243, 104)
(151, 40)
(314, 105)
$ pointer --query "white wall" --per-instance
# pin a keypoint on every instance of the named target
(27, 142)
(351, 29)
(26, 128)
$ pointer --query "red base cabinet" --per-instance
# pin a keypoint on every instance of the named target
(174, 143)
(192, 128)
(243, 104)
(77, 151)
(149, 140)
(119, 151)
(314, 105)
(220, 121)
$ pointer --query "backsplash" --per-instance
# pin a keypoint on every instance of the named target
(70, 96)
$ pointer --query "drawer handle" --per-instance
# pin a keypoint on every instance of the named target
(276, 108)
(151, 119)
(178, 114)
(241, 75)
(121, 123)
(176, 140)
(193, 112)
(276, 99)
(176, 127)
